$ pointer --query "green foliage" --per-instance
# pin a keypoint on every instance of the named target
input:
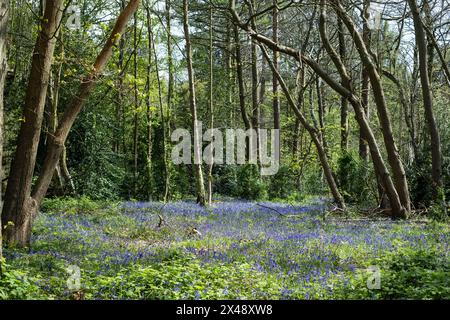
(184, 277)
(249, 184)
(353, 179)
(406, 274)
(82, 205)
(282, 185)
(17, 285)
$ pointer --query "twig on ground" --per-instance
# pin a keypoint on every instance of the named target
(273, 209)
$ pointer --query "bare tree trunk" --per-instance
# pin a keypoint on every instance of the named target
(162, 115)
(255, 91)
(4, 14)
(344, 101)
(365, 82)
(18, 205)
(211, 101)
(120, 114)
(201, 197)
(276, 58)
(56, 145)
(136, 108)
(148, 105)
(313, 133)
(436, 154)
(62, 171)
(240, 79)
(171, 83)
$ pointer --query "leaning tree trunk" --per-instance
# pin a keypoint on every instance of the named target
(18, 207)
(55, 147)
(436, 155)
(201, 196)
(3, 70)
(314, 133)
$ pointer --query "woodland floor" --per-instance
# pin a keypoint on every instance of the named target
(242, 250)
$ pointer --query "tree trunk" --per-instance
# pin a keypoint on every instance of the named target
(255, 91)
(211, 101)
(149, 110)
(4, 4)
(240, 79)
(344, 101)
(18, 205)
(276, 58)
(313, 133)
(62, 171)
(120, 114)
(365, 83)
(436, 154)
(171, 84)
(201, 197)
(136, 108)
(163, 118)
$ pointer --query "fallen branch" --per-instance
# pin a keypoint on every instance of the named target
(273, 209)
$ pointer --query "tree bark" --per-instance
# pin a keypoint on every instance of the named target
(4, 14)
(162, 116)
(436, 154)
(201, 197)
(136, 107)
(240, 80)
(276, 58)
(211, 101)
(18, 206)
(344, 101)
(365, 82)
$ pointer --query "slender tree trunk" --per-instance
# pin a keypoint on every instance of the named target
(240, 80)
(148, 105)
(136, 108)
(163, 118)
(313, 133)
(436, 154)
(120, 113)
(18, 205)
(211, 101)
(56, 145)
(171, 84)
(344, 101)
(255, 90)
(62, 171)
(276, 58)
(201, 197)
(4, 14)
(365, 83)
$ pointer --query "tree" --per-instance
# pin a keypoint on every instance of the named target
(29, 202)
(435, 139)
(4, 7)
(200, 187)
(18, 203)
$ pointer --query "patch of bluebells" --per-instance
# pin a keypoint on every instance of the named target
(292, 242)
